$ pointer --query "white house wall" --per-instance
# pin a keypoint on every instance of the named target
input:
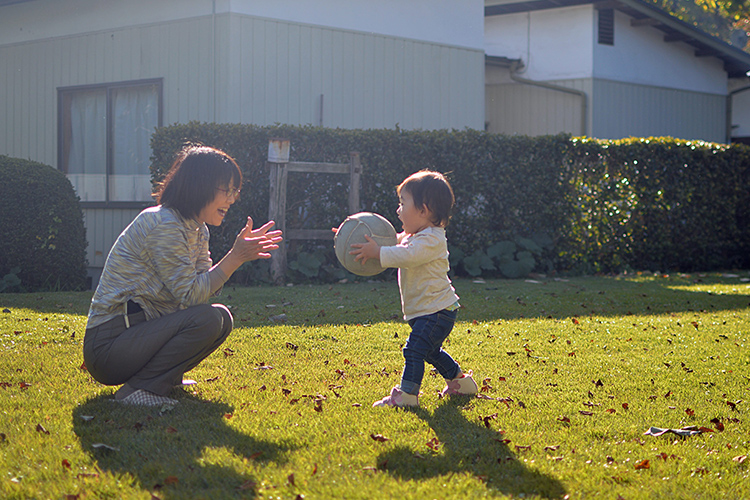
(552, 44)
(641, 56)
(557, 44)
(438, 21)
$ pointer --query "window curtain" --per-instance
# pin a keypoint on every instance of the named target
(136, 115)
(86, 164)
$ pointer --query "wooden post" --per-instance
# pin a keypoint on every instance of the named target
(355, 173)
(279, 168)
(277, 213)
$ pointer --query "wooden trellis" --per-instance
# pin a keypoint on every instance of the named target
(280, 167)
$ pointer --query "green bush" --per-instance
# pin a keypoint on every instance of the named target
(44, 241)
(523, 204)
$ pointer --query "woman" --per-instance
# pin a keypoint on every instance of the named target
(150, 320)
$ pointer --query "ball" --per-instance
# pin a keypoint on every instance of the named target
(353, 230)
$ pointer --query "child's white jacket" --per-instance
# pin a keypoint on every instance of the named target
(422, 262)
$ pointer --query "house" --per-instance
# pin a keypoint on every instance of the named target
(83, 83)
(610, 69)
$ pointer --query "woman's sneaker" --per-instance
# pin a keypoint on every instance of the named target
(463, 384)
(146, 398)
(398, 398)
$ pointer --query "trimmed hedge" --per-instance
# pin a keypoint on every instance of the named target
(545, 204)
(44, 241)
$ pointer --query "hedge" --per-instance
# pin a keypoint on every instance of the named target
(44, 241)
(549, 204)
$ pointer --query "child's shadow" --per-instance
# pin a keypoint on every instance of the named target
(181, 452)
(466, 447)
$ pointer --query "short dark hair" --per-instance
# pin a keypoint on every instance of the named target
(432, 190)
(195, 175)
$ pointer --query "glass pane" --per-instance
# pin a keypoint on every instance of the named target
(136, 115)
(85, 142)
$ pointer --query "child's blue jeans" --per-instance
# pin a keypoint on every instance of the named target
(426, 344)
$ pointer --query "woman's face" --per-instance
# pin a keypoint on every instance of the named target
(214, 213)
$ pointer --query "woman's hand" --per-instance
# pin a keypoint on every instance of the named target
(253, 244)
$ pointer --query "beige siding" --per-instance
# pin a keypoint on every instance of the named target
(625, 110)
(366, 80)
(264, 72)
(523, 109)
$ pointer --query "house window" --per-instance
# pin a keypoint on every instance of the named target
(607, 26)
(104, 139)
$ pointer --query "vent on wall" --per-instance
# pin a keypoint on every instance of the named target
(607, 26)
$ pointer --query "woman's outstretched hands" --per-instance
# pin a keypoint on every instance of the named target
(253, 244)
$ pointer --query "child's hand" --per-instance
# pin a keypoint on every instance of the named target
(366, 251)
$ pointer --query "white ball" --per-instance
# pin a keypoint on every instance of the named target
(353, 230)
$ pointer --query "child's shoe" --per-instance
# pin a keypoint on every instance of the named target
(398, 398)
(463, 384)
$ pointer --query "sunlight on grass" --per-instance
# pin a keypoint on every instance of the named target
(573, 373)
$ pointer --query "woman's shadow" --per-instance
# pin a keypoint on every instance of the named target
(461, 447)
(175, 452)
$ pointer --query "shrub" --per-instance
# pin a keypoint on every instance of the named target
(523, 204)
(44, 241)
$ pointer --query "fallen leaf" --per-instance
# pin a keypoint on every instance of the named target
(40, 428)
(379, 437)
(290, 479)
(717, 423)
(690, 412)
(564, 419)
(65, 463)
(740, 459)
(643, 464)
(586, 413)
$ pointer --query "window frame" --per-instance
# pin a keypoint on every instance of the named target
(109, 88)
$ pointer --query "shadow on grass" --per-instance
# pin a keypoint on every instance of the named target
(467, 447)
(174, 453)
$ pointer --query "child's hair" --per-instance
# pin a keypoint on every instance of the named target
(432, 190)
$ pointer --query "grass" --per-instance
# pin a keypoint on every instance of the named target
(573, 373)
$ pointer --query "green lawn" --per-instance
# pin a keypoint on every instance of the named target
(574, 372)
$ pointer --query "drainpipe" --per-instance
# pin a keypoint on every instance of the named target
(515, 65)
(729, 110)
(213, 54)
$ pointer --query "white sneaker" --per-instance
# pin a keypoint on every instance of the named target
(146, 398)
(463, 384)
(398, 398)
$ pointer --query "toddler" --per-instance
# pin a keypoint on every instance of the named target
(428, 300)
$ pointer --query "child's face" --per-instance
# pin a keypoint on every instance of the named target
(413, 219)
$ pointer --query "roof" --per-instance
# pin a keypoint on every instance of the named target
(736, 61)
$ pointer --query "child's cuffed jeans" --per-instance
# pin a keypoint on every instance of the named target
(426, 344)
